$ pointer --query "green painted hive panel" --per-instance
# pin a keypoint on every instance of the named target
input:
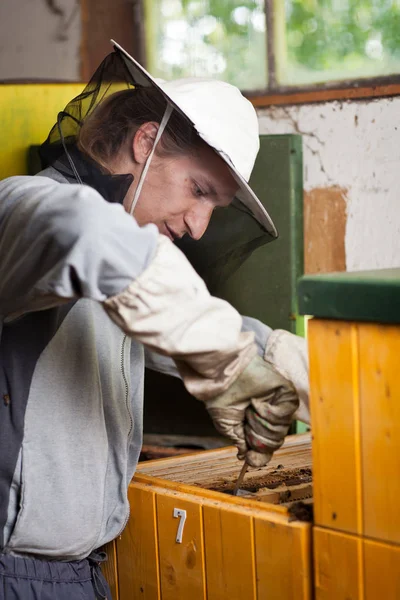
(264, 287)
(357, 296)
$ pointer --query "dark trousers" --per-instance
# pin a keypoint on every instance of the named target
(37, 579)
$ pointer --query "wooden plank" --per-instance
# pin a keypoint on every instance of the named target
(351, 567)
(138, 548)
(338, 566)
(209, 473)
(110, 568)
(99, 25)
(226, 452)
(200, 467)
(382, 571)
(345, 92)
(182, 570)
(186, 568)
(229, 554)
(283, 560)
(334, 410)
(380, 425)
(205, 494)
(324, 229)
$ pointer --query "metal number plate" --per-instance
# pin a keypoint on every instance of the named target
(181, 515)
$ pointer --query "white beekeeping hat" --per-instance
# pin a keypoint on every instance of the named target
(222, 117)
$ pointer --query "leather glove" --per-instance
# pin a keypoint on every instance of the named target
(256, 411)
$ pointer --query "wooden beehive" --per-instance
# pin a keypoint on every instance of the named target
(354, 347)
(237, 548)
(249, 548)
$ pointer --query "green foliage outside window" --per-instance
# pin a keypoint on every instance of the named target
(225, 39)
(339, 39)
(314, 40)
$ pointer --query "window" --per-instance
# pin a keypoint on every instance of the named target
(221, 38)
(274, 45)
(329, 40)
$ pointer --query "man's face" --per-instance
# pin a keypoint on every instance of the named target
(180, 193)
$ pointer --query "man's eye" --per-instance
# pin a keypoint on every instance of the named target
(198, 192)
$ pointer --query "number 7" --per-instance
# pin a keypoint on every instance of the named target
(180, 514)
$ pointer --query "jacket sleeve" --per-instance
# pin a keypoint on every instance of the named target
(64, 241)
(166, 365)
(285, 351)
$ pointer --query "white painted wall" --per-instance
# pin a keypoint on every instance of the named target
(39, 39)
(354, 145)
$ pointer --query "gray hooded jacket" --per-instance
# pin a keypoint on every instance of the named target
(71, 380)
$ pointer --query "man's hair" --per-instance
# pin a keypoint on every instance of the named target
(115, 121)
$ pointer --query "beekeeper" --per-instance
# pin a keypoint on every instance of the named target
(89, 277)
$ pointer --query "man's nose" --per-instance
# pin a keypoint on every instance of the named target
(197, 220)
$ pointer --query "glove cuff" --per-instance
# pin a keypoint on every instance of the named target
(288, 355)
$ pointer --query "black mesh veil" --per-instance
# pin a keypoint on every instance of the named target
(110, 77)
(233, 233)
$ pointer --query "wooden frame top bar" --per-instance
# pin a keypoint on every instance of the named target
(324, 95)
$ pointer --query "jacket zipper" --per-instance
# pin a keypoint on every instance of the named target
(130, 418)
(126, 384)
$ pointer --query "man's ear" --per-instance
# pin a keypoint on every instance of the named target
(143, 141)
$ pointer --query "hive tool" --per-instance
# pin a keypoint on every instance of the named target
(242, 473)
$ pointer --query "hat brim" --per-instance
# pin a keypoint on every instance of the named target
(246, 195)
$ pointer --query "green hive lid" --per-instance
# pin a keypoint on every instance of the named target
(357, 296)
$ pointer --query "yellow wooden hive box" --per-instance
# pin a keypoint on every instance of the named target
(354, 349)
(187, 541)
(241, 548)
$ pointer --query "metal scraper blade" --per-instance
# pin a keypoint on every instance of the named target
(240, 479)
